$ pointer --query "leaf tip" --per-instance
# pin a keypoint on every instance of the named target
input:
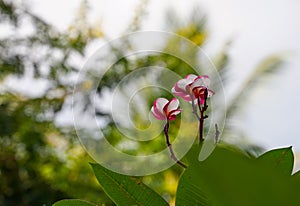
(93, 165)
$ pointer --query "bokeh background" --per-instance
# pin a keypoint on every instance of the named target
(44, 44)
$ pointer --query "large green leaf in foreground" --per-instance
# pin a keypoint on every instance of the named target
(230, 178)
(125, 190)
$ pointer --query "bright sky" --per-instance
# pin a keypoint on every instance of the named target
(257, 28)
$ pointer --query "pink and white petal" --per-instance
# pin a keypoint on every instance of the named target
(177, 88)
(190, 77)
(158, 115)
(158, 112)
(181, 84)
(175, 112)
(159, 104)
(172, 105)
(204, 76)
(173, 90)
(181, 94)
(206, 80)
(203, 80)
(187, 98)
(196, 83)
(210, 93)
(178, 93)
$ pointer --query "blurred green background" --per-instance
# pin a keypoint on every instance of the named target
(41, 159)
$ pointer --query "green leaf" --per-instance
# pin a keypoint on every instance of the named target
(73, 202)
(281, 159)
(126, 190)
(230, 178)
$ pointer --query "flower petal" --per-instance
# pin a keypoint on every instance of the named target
(158, 115)
(181, 84)
(172, 105)
(210, 92)
(203, 80)
(159, 104)
(186, 97)
(190, 77)
(172, 115)
(175, 112)
(176, 88)
(182, 95)
(197, 83)
(173, 90)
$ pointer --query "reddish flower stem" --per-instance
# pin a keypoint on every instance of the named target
(202, 115)
(166, 131)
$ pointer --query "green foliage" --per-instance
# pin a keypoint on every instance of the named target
(125, 190)
(227, 177)
(230, 178)
(37, 162)
(280, 159)
(73, 202)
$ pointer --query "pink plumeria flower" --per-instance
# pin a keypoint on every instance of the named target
(200, 88)
(182, 88)
(164, 109)
(192, 87)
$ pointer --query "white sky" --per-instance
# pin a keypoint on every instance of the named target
(258, 28)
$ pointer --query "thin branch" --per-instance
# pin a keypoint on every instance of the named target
(173, 156)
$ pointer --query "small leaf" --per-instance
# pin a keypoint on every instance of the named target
(281, 159)
(73, 202)
(126, 190)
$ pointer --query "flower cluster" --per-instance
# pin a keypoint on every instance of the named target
(194, 89)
